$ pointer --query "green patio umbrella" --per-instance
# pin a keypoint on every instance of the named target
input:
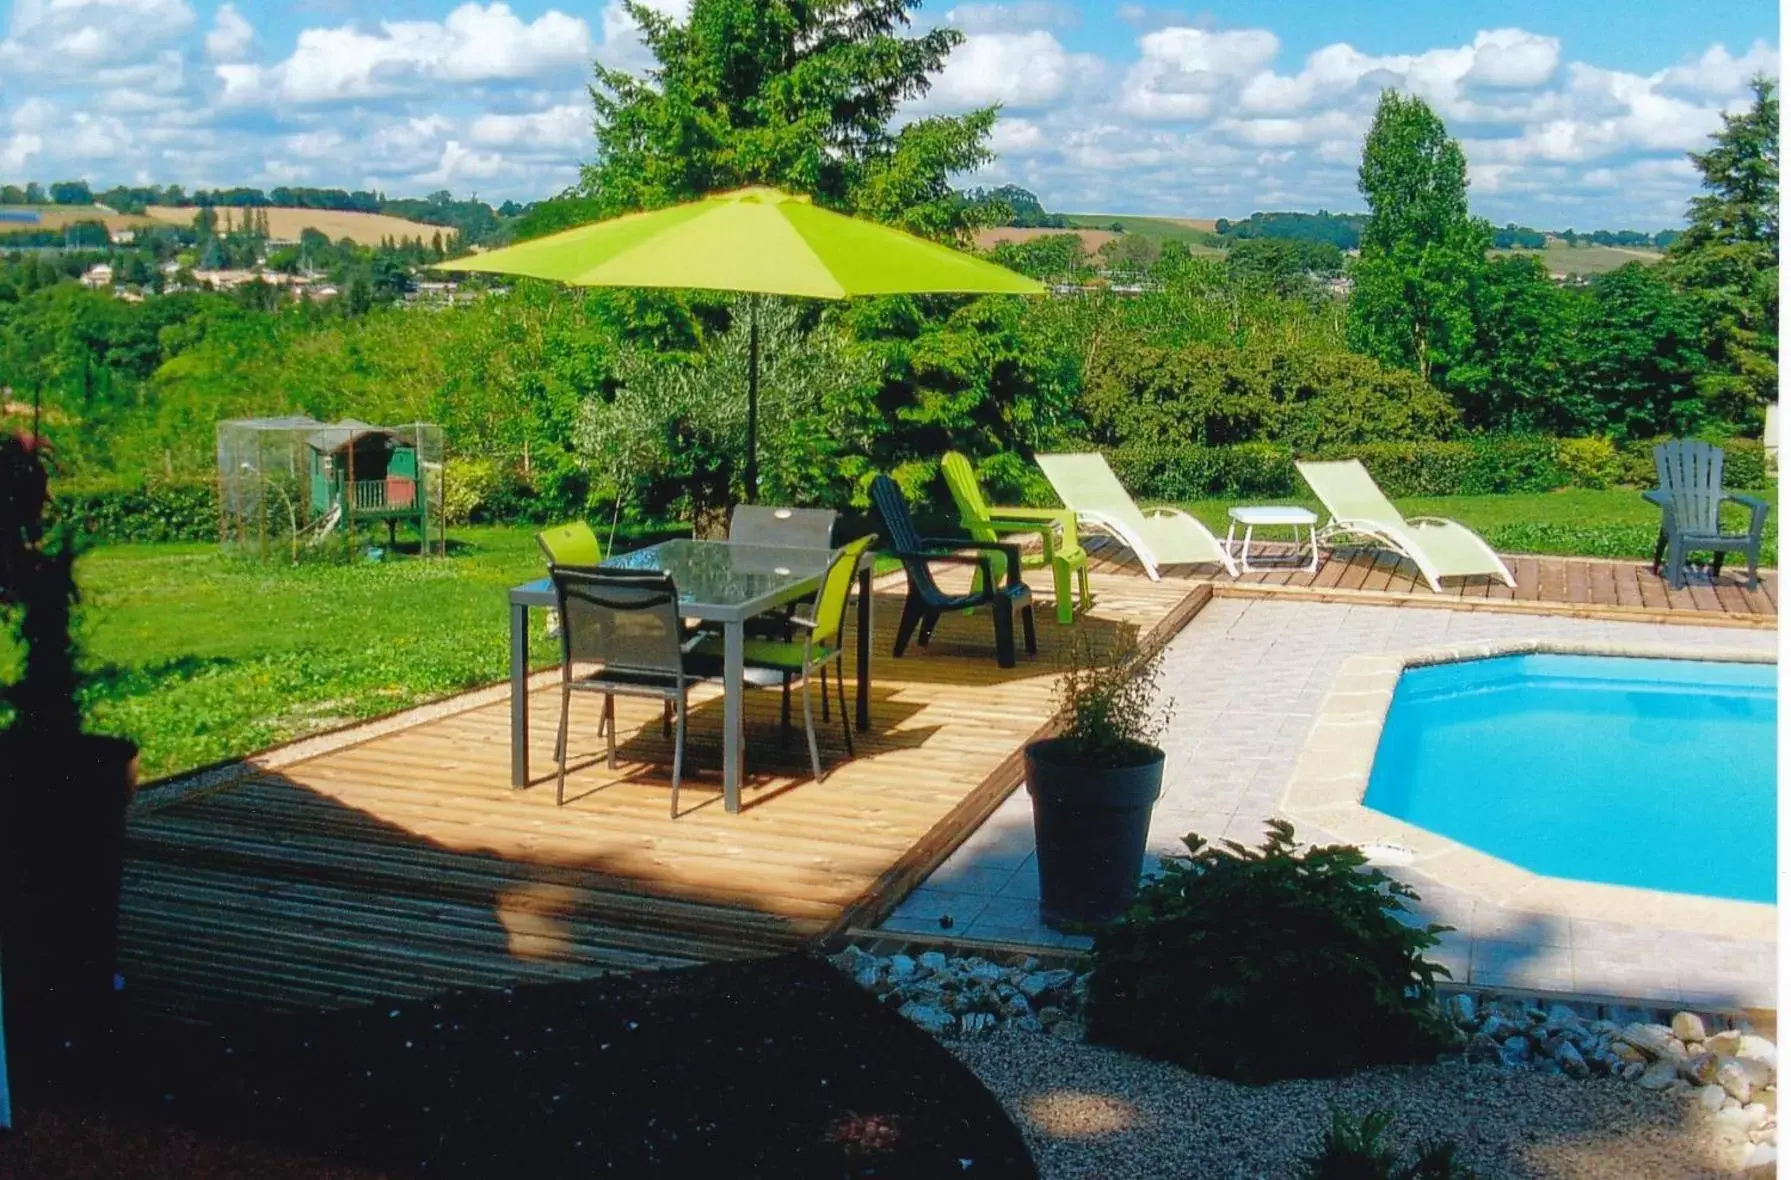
(757, 240)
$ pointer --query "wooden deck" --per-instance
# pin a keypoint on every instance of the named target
(1580, 586)
(404, 864)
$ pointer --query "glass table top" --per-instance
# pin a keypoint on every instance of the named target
(725, 575)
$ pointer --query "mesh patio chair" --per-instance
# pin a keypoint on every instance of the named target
(630, 627)
(799, 528)
(821, 646)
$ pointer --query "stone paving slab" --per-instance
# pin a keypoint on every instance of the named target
(1247, 677)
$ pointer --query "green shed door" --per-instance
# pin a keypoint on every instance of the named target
(322, 488)
(403, 464)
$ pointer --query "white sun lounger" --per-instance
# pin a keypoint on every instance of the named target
(1439, 548)
(1164, 536)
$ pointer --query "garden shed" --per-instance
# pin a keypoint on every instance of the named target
(289, 483)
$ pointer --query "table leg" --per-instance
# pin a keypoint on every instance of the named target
(733, 693)
(1244, 561)
(519, 696)
(864, 649)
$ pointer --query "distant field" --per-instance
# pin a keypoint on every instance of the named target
(1092, 239)
(366, 229)
(62, 216)
(1178, 229)
(1560, 258)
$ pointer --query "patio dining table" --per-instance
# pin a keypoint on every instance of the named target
(718, 582)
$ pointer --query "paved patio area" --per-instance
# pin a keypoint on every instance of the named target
(1247, 677)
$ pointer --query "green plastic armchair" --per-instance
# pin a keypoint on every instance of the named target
(1055, 527)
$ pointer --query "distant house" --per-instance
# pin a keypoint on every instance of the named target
(123, 237)
(98, 275)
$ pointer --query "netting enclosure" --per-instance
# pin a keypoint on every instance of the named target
(290, 484)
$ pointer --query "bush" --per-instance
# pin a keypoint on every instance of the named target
(1352, 1150)
(156, 510)
(1214, 395)
(1267, 963)
(1485, 465)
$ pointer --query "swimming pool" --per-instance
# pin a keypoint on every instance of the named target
(1655, 773)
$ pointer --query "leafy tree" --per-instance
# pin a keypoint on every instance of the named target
(71, 192)
(1728, 255)
(34, 194)
(1421, 250)
(1057, 257)
(1515, 375)
(798, 94)
(1286, 266)
(1638, 349)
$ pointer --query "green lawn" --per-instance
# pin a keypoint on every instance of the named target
(201, 657)
(1616, 523)
(1561, 258)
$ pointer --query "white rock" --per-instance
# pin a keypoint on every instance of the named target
(931, 1017)
(1572, 1063)
(1625, 1052)
(1711, 1097)
(1050, 1014)
(982, 971)
(933, 961)
(853, 959)
(1733, 1077)
(1726, 1042)
(1761, 1160)
(1699, 1068)
(1658, 1076)
(1756, 1115)
(976, 1023)
(869, 976)
(1460, 1009)
(1757, 1048)
(1759, 1074)
(901, 967)
(1634, 1071)
(1688, 1026)
(1655, 1040)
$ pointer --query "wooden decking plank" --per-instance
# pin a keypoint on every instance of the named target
(1601, 583)
(1528, 573)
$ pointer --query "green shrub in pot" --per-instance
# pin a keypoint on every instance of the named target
(1094, 784)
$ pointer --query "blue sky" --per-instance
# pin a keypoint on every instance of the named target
(1572, 113)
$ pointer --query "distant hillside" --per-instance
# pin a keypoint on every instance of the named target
(1169, 228)
(1092, 239)
(1563, 259)
(22, 218)
(365, 229)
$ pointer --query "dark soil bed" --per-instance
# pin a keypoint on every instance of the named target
(776, 1068)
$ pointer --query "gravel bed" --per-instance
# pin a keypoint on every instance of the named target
(1089, 1111)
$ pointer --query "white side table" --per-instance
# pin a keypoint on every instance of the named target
(1255, 516)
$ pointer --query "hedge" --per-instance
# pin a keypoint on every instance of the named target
(1476, 467)
(186, 509)
(181, 509)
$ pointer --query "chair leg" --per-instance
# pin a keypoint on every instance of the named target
(824, 706)
(912, 610)
(609, 709)
(1660, 547)
(808, 724)
(839, 680)
(783, 719)
(1004, 631)
(1753, 567)
(665, 721)
(1066, 601)
(559, 786)
(1675, 564)
(1032, 635)
(927, 626)
(1716, 565)
(678, 752)
(1082, 577)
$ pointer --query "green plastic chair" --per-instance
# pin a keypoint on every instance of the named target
(570, 544)
(1055, 527)
(820, 646)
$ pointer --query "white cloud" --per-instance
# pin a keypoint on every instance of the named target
(1018, 70)
(622, 46)
(1183, 72)
(1512, 57)
(565, 126)
(474, 44)
(231, 36)
(1718, 73)
(1007, 18)
(72, 38)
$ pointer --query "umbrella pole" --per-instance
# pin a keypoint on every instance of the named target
(752, 400)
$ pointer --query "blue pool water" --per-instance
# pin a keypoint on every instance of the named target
(1645, 772)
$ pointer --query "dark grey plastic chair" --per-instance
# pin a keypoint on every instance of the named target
(1690, 496)
(630, 626)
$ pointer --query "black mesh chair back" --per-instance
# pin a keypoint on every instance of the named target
(622, 621)
(764, 524)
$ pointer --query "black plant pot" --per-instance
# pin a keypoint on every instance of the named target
(1091, 824)
(62, 816)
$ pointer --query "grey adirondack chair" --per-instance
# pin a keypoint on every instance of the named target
(1690, 496)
